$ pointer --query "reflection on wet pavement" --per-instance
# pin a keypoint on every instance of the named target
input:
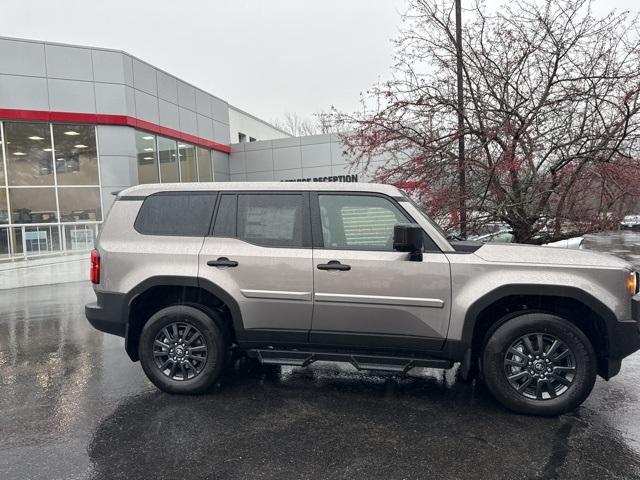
(74, 406)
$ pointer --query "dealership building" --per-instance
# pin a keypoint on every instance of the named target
(79, 123)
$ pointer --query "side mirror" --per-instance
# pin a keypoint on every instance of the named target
(407, 237)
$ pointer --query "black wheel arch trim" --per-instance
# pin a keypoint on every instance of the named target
(561, 291)
(179, 281)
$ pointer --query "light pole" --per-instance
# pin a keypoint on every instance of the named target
(462, 179)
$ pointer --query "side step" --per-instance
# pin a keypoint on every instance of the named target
(299, 358)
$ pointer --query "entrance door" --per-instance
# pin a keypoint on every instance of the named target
(365, 293)
(260, 253)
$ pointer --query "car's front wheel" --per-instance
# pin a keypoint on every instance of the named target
(539, 364)
(182, 350)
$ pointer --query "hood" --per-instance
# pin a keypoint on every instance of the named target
(520, 253)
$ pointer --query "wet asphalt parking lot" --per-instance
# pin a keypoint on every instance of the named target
(72, 406)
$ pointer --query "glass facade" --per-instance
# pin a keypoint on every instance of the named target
(80, 237)
(76, 154)
(79, 204)
(28, 153)
(147, 156)
(33, 205)
(4, 243)
(205, 168)
(50, 196)
(4, 210)
(158, 156)
(168, 156)
(188, 168)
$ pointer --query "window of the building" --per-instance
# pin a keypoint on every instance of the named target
(79, 237)
(36, 240)
(146, 157)
(176, 213)
(1, 155)
(29, 153)
(33, 205)
(242, 137)
(4, 242)
(251, 139)
(358, 222)
(272, 220)
(187, 155)
(226, 217)
(76, 154)
(4, 209)
(168, 155)
(205, 174)
(79, 204)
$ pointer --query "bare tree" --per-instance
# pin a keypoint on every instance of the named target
(551, 115)
(325, 122)
(297, 126)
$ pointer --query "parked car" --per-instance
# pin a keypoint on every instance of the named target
(503, 236)
(575, 243)
(630, 222)
(506, 236)
(292, 273)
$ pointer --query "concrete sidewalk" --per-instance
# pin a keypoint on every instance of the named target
(44, 271)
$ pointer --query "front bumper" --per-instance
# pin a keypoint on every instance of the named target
(107, 313)
(624, 339)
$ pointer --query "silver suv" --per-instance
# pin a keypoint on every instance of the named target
(192, 276)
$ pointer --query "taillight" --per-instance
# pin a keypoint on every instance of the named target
(94, 272)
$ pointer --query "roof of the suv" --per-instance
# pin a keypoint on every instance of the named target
(148, 189)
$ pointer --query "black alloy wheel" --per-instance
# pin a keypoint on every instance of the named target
(538, 364)
(183, 349)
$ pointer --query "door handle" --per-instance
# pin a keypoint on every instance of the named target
(334, 265)
(222, 262)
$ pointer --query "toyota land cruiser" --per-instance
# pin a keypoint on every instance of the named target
(292, 273)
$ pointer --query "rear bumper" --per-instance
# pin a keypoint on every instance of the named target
(624, 339)
(106, 313)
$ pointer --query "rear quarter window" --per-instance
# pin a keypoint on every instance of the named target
(185, 214)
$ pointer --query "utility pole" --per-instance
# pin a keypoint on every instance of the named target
(462, 179)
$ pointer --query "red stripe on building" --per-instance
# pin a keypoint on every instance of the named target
(107, 119)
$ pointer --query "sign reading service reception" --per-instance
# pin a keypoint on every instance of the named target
(330, 178)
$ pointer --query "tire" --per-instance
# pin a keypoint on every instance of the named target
(203, 367)
(544, 394)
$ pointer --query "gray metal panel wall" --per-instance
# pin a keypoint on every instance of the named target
(48, 76)
(315, 156)
(118, 160)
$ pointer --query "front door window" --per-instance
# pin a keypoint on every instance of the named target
(358, 222)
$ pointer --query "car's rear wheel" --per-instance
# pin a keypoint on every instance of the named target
(182, 350)
(539, 364)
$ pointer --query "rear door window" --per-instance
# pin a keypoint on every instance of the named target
(176, 213)
(273, 220)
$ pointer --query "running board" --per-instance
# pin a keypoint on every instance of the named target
(299, 358)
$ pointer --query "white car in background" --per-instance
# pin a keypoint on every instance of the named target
(506, 236)
(630, 222)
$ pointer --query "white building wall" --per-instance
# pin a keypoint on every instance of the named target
(251, 127)
(318, 158)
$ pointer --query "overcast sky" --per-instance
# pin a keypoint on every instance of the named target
(268, 57)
